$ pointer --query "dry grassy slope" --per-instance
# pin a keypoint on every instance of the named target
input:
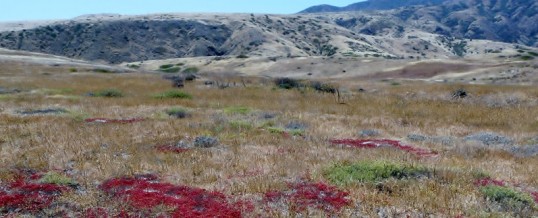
(116, 38)
(40, 59)
(485, 70)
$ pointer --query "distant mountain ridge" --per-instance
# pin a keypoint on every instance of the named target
(512, 21)
(371, 5)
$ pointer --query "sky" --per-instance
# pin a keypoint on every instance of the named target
(21, 10)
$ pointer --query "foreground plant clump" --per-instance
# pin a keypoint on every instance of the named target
(301, 196)
(31, 191)
(145, 193)
(344, 174)
(508, 197)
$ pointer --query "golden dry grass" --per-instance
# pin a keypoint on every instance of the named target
(252, 160)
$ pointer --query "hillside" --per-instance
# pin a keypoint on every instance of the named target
(371, 5)
(512, 21)
(119, 39)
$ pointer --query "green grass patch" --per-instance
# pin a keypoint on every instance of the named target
(240, 125)
(78, 116)
(174, 94)
(5, 97)
(56, 178)
(108, 93)
(507, 196)
(237, 110)
(171, 70)
(267, 124)
(191, 70)
(133, 66)
(372, 171)
(56, 91)
(278, 130)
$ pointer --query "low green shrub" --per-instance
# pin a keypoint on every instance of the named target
(102, 71)
(177, 112)
(287, 83)
(506, 196)
(133, 66)
(56, 178)
(63, 91)
(109, 93)
(323, 87)
(293, 132)
(366, 171)
(240, 124)
(174, 94)
(237, 110)
(166, 66)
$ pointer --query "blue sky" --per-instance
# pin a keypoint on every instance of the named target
(18, 10)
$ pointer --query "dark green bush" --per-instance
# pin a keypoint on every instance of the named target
(506, 196)
(287, 83)
(174, 94)
(323, 87)
(133, 66)
(166, 66)
(102, 71)
(526, 57)
(109, 93)
(177, 112)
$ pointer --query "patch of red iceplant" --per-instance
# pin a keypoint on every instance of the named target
(27, 194)
(535, 196)
(489, 181)
(303, 195)
(119, 121)
(378, 143)
(145, 192)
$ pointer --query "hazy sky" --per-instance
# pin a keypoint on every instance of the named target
(18, 10)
